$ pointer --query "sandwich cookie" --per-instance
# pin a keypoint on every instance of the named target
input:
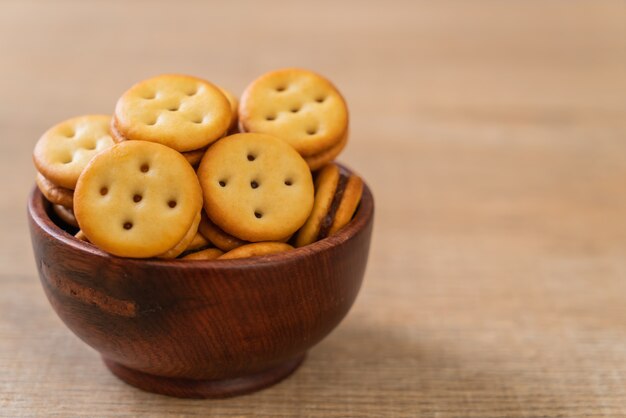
(256, 187)
(299, 106)
(217, 236)
(182, 112)
(56, 195)
(139, 199)
(64, 150)
(337, 196)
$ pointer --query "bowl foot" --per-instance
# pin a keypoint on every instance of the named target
(203, 389)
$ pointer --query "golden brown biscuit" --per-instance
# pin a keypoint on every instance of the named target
(206, 254)
(256, 249)
(337, 195)
(256, 187)
(65, 214)
(296, 105)
(217, 236)
(198, 242)
(64, 150)
(54, 194)
(182, 112)
(138, 199)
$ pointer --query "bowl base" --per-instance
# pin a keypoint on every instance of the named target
(203, 389)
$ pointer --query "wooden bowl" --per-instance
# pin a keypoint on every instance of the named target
(201, 329)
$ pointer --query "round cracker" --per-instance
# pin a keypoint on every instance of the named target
(296, 105)
(256, 249)
(64, 150)
(256, 187)
(349, 202)
(317, 161)
(325, 187)
(217, 236)
(198, 242)
(182, 112)
(179, 248)
(137, 199)
(234, 105)
(54, 194)
(207, 254)
(193, 156)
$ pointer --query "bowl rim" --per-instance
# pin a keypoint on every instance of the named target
(38, 212)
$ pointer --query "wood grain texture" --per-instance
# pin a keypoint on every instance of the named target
(492, 134)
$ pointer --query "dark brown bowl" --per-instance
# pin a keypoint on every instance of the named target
(204, 328)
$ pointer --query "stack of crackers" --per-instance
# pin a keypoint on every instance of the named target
(182, 169)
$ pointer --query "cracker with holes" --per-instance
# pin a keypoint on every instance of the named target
(300, 107)
(256, 187)
(182, 112)
(139, 199)
(64, 150)
(337, 195)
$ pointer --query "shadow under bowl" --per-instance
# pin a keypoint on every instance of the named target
(201, 329)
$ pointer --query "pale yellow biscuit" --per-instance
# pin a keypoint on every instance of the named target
(296, 105)
(183, 112)
(217, 236)
(65, 214)
(206, 254)
(138, 199)
(64, 150)
(317, 161)
(256, 249)
(54, 194)
(256, 187)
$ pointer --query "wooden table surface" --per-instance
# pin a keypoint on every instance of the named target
(493, 135)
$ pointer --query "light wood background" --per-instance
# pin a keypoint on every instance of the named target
(493, 135)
